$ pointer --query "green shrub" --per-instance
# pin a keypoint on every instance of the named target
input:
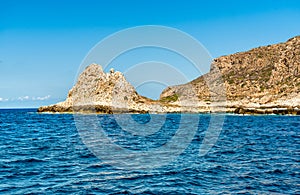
(171, 98)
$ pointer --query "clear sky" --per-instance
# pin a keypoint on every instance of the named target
(42, 43)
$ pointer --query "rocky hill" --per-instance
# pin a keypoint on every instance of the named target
(96, 91)
(262, 80)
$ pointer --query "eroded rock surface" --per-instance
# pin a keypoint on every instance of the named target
(263, 80)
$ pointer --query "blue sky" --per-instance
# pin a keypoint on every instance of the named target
(42, 43)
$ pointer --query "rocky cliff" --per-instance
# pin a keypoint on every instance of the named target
(262, 80)
(96, 91)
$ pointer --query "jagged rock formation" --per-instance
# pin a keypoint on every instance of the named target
(262, 80)
(96, 91)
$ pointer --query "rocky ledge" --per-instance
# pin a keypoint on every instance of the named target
(264, 80)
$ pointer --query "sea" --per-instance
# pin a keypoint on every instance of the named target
(136, 154)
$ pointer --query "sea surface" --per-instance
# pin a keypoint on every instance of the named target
(45, 154)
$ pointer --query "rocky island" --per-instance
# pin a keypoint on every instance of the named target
(264, 80)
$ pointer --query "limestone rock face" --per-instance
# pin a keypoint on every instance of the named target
(98, 91)
(96, 87)
(267, 76)
(262, 80)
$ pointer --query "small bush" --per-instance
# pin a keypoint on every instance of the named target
(172, 98)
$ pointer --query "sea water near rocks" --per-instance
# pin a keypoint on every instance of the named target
(44, 154)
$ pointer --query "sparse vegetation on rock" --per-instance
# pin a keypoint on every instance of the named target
(263, 80)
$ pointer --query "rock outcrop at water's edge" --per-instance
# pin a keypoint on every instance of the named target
(96, 91)
(264, 80)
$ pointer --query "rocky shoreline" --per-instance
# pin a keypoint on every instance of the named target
(98, 109)
(264, 80)
(277, 111)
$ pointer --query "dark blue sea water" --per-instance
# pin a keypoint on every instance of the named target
(44, 154)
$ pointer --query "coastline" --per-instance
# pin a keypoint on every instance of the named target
(263, 80)
(264, 110)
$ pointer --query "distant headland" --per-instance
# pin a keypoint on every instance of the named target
(264, 80)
